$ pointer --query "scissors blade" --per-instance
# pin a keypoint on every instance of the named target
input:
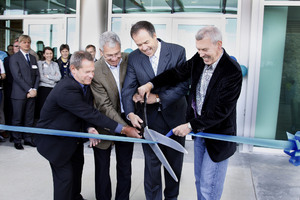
(163, 160)
(157, 137)
(159, 154)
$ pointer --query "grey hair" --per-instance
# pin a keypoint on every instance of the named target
(77, 58)
(110, 38)
(211, 32)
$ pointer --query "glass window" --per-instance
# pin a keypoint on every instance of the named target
(218, 6)
(278, 107)
(229, 37)
(71, 34)
(20, 7)
(43, 35)
(9, 31)
(188, 41)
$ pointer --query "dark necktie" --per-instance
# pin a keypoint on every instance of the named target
(84, 89)
(27, 58)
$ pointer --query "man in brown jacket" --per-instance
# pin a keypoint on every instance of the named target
(106, 86)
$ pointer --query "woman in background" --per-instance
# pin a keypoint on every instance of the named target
(49, 76)
(64, 60)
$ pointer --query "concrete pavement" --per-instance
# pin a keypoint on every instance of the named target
(26, 175)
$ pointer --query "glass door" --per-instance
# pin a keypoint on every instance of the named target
(45, 32)
(122, 27)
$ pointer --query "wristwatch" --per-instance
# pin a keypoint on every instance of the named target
(157, 98)
(189, 126)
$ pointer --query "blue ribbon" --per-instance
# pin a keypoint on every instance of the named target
(291, 147)
(71, 134)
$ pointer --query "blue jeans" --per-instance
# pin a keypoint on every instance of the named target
(209, 175)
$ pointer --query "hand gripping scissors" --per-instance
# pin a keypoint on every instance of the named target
(155, 136)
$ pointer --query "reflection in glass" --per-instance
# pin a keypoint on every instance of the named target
(71, 33)
(43, 35)
(279, 82)
(188, 41)
(9, 31)
(289, 106)
(18, 7)
(169, 6)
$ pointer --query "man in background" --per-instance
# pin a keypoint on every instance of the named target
(92, 50)
(24, 70)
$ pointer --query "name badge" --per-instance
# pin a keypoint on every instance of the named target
(34, 67)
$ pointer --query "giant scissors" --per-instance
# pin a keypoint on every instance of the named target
(152, 135)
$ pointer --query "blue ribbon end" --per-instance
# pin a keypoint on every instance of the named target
(295, 152)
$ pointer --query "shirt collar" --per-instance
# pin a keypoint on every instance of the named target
(157, 52)
(113, 67)
(82, 86)
(24, 52)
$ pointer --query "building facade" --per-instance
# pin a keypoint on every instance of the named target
(263, 35)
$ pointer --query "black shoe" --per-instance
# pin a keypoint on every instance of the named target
(19, 146)
(29, 143)
(2, 139)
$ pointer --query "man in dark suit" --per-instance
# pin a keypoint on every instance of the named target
(216, 85)
(106, 86)
(69, 106)
(8, 88)
(92, 50)
(26, 77)
(165, 106)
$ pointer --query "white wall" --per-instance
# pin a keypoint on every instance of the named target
(93, 21)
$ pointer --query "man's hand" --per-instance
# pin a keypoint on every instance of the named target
(28, 95)
(151, 99)
(145, 89)
(131, 132)
(182, 130)
(135, 120)
(137, 98)
(93, 141)
(32, 93)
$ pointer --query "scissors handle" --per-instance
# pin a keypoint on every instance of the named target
(170, 133)
(145, 110)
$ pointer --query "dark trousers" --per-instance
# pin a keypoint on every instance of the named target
(7, 106)
(67, 178)
(152, 171)
(42, 95)
(124, 152)
(23, 115)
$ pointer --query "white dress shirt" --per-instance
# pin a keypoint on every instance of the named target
(115, 70)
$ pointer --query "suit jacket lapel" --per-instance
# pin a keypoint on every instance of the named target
(123, 68)
(216, 75)
(109, 76)
(147, 65)
(23, 58)
(164, 57)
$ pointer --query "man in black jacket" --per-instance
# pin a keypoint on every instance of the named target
(69, 106)
(216, 82)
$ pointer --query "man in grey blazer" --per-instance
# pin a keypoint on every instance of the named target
(24, 70)
(106, 86)
(165, 106)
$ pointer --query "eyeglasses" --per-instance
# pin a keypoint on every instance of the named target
(111, 56)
